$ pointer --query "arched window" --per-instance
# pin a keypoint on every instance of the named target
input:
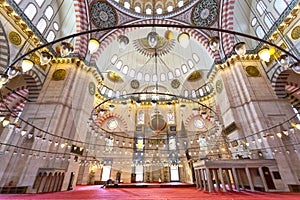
(49, 12)
(51, 36)
(114, 59)
(162, 77)
(269, 20)
(30, 11)
(261, 7)
(190, 64)
(125, 69)
(17, 1)
(127, 4)
(196, 58)
(132, 73)
(170, 75)
(280, 6)
(184, 68)
(119, 64)
(55, 26)
(40, 2)
(177, 72)
(260, 32)
(41, 25)
(147, 77)
(254, 21)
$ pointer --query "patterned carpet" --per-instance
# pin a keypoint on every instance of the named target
(95, 192)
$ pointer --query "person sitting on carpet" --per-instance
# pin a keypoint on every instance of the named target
(109, 181)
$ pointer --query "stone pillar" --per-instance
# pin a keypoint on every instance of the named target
(200, 179)
(222, 179)
(209, 180)
(216, 179)
(204, 181)
(197, 177)
(235, 179)
(261, 174)
(249, 179)
(240, 178)
(228, 179)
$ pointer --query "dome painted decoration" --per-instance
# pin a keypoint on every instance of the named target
(195, 76)
(14, 38)
(205, 13)
(102, 14)
(295, 34)
(175, 83)
(164, 46)
(114, 77)
(135, 84)
(59, 74)
(252, 71)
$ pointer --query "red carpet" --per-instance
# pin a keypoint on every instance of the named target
(95, 192)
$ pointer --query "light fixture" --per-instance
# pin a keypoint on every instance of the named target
(45, 57)
(13, 72)
(93, 45)
(284, 60)
(102, 111)
(184, 39)
(5, 122)
(169, 35)
(138, 102)
(296, 67)
(27, 65)
(3, 79)
(240, 48)
(64, 49)
(214, 43)
(152, 39)
(123, 41)
(264, 54)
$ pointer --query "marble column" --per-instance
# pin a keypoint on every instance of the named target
(204, 180)
(239, 171)
(228, 179)
(235, 179)
(261, 173)
(216, 179)
(200, 180)
(197, 177)
(249, 179)
(222, 179)
(209, 180)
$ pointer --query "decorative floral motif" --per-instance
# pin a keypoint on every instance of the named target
(14, 38)
(205, 13)
(175, 83)
(102, 14)
(135, 84)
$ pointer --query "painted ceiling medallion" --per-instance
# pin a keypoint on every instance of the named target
(14, 38)
(163, 46)
(295, 34)
(252, 71)
(59, 74)
(135, 84)
(175, 83)
(102, 14)
(205, 13)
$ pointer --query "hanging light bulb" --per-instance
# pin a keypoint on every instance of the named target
(13, 72)
(123, 41)
(284, 60)
(27, 65)
(169, 35)
(138, 102)
(240, 48)
(152, 39)
(65, 49)
(214, 43)
(296, 67)
(184, 39)
(5, 122)
(3, 79)
(264, 54)
(45, 57)
(93, 45)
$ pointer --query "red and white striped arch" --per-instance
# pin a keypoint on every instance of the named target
(226, 20)
(105, 117)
